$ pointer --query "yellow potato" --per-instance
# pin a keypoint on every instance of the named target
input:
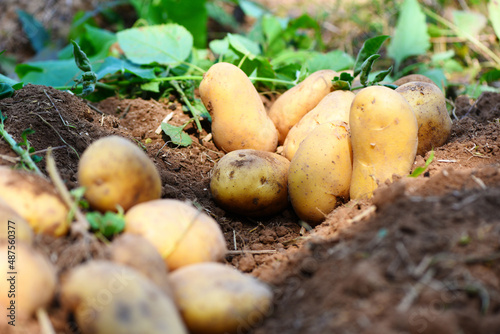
(36, 200)
(106, 297)
(332, 108)
(13, 226)
(239, 118)
(429, 104)
(290, 107)
(116, 172)
(320, 172)
(181, 233)
(28, 280)
(214, 298)
(384, 138)
(251, 183)
(140, 254)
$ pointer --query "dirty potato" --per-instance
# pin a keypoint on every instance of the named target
(251, 183)
(36, 200)
(116, 172)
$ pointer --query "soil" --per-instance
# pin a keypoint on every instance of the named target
(423, 256)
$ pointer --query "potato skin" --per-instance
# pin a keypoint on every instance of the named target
(384, 138)
(250, 182)
(429, 104)
(413, 77)
(36, 200)
(239, 118)
(332, 108)
(116, 171)
(320, 172)
(214, 298)
(35, 281)
(290, 107)
(19, 227)
(106, 297)
(181, 233)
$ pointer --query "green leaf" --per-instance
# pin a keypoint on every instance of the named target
(243, 45)
(420, 170)
(335, 60)
(381, 76)
(38, 36)
(6, 90)
(490, 76)
(366, 68)
(192, 15)
(370, 47)
(218, 14)
(469, 22)
(49, 73)
(494, 13)
(152, 86)
(7, 80)
(176, 134)
(109, 223)
(410, 37)
(112, 65)
(167, 44)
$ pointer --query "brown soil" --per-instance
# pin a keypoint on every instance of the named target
(422, 257)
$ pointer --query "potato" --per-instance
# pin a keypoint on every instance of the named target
(413, 77)
(36, 200)
(140, 254)
(239, 118)
(429, 104)
(116, 172)
(384, 138)
(106, 297)
(181, 233)
(214, 298)
(332, 108)
(252, 183)
(320, 172)
(12, 225)
(290, 107)
(32, 286)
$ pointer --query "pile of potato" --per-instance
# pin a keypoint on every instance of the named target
(338, 145)
(164, 273)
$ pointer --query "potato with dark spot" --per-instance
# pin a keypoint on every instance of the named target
(320, 172)
(413, 77)
(36, 200)
(116, 172)
(429, 105)
(250, 182)
(106, 297)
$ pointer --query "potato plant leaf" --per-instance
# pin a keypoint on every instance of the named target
(192, 15)
(369, 48)
(176, 134)
(108, 224)
(113, 65)
(342, 82)
(366, 68)
(494, 13)
(38, 36)
(419, 170)
(166, 44)
(410, 37)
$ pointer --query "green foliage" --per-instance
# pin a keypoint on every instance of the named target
(38, 36)
(107, 224)
(410, 37)
(176, 134)
(494, 13)
(419, 170)
(166, 44)
(89, 78)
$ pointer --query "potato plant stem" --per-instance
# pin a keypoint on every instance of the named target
(192, 109)
(23, 154)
